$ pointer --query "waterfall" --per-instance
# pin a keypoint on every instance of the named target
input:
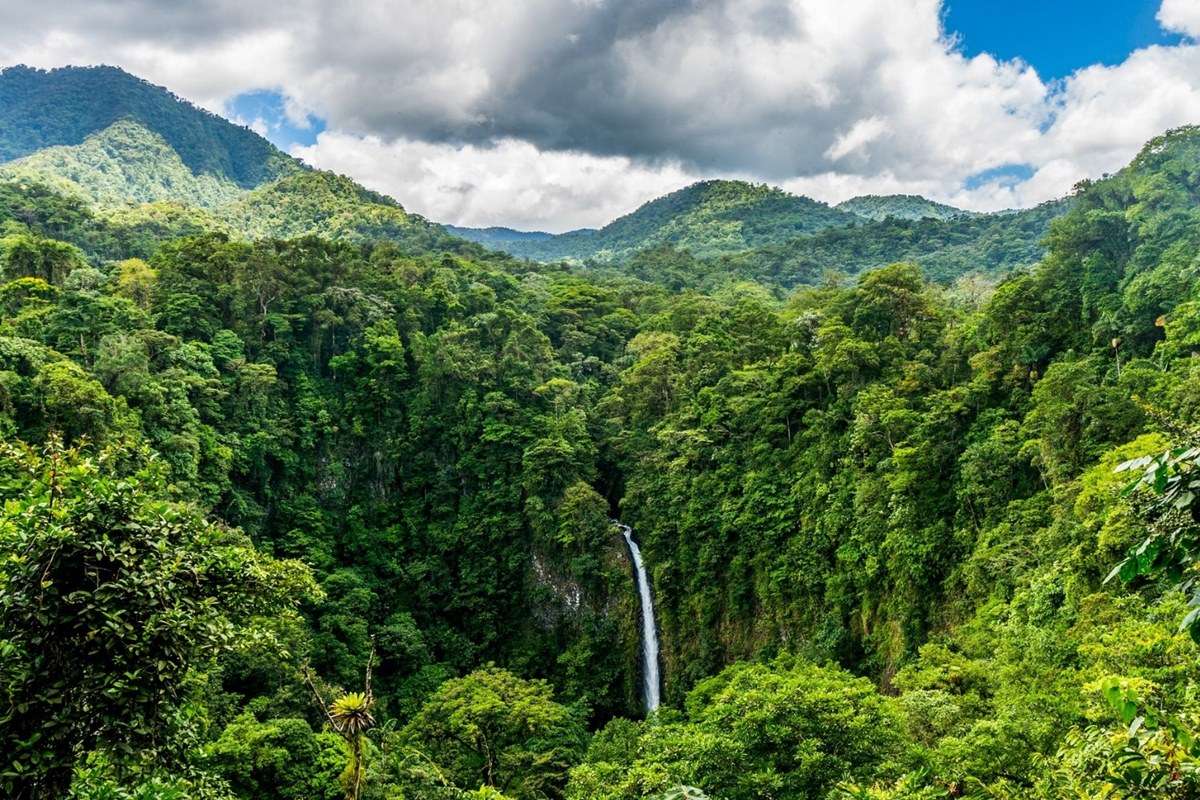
(650, 679)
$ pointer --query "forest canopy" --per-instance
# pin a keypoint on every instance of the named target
(304, 497)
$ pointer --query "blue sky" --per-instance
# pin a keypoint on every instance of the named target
(1057, 37)
(264, 110)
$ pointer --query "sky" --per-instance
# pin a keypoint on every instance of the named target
(558, 114)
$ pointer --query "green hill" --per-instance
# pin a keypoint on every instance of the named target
(899, 206)
(707, 218)
(49, 108)
(500, 238)
(326, 204)
(717, 232)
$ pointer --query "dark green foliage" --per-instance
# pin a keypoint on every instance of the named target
(790, 729)
(280, 759)
(945, 248)
(493, 729)
(109, 595)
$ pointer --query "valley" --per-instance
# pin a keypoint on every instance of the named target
(308, 496)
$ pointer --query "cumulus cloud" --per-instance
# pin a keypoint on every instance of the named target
(556, 113)
(1182, 16)
(511, 183)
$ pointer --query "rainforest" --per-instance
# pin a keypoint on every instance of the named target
(308, 497)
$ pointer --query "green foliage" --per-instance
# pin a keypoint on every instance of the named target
(707, 218)
(493, 729)
(124, 164)
(278, 759)
(906, 478)
(108, 595)
(790, 729)
(310, 202)
(945, 248)
(714, 234)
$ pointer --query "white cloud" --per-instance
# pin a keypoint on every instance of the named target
(510, 184)
(557, 113)
(863, 133)
(1182, 16)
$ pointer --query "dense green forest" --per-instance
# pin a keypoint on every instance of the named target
(304, 497)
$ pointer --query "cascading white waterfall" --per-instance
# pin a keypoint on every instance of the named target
(650, 679)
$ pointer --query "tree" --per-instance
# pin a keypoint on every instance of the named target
(109, 594)
(277, 759)
(788, 729)
(494, 729)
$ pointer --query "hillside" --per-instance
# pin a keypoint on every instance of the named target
(707, 218)
(718, 232)
(122, 165)
(48, 108)
(317, 202)
(986, 244)
(898, 206)
(499, 238)
(944, 248)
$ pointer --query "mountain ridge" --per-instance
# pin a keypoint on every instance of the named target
(708, 217)
(877, 207)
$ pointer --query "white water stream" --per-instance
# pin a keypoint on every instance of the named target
(651, 684)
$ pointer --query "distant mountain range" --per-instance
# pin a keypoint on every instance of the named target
(709, 218)
(737, 230)
(138, 156)
(706, 218)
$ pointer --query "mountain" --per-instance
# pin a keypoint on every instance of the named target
(898, 206)
(147, 162)
(707, 218)
(49, 108)
(716, 232)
